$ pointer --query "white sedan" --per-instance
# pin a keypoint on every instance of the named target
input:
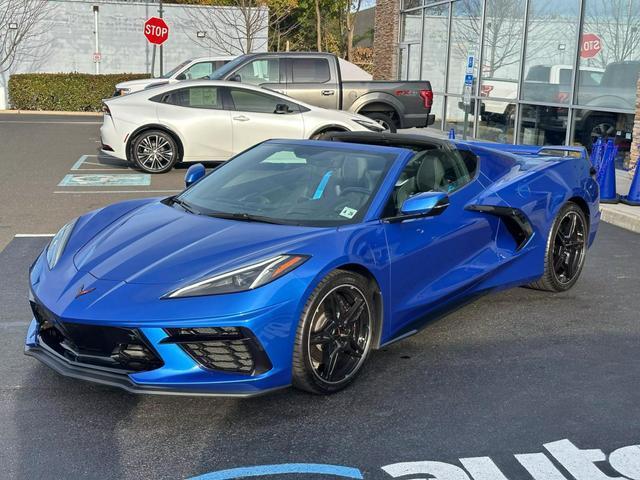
(206, 120)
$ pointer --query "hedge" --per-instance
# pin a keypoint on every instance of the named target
(77, 92)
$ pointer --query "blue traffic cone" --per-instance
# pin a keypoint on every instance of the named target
(607, 175)
(452, 134)
(634, 191)
(596, 153)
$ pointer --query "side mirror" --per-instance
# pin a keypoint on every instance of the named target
(282, 108)
(235, 78)
(195, 173)
(182, 76)
(426, 204)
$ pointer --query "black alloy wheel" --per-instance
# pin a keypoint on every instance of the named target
(566, 250)
(335, 334)
(154, 151)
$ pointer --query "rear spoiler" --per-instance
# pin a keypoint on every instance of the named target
(535, 150)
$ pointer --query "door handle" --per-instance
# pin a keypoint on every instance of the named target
(241, 118)
(327, 93)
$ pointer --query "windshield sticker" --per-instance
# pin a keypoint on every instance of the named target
(348, 212)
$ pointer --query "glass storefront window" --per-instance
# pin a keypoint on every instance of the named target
(411, 26)
(410, 62)
(542, 125)
(503, 31)
(434, 48)
(436, 109)
(496, 122)
(454, 117)
(406, 4)
(589, 125)
(465, 40)
(609, 54)
(550, 51)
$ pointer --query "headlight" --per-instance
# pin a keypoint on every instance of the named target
(371, 125)
(242, 279)
(58, 242)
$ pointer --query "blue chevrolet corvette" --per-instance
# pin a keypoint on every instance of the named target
(291, 263)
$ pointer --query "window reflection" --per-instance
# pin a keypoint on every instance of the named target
(541, 125)
(434, 49)
(465, 40)
(611, 42)
(503, 31)
(550, 50)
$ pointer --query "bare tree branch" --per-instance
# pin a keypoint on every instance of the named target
(20, 26)
(234, 30)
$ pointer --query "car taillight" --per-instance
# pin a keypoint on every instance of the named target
(105, 109)
(427, 98)
(486, 90)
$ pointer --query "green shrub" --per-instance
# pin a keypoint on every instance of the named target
(77, 92)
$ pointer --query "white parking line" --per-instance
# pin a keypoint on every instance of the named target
(33, 235)
(117, 191)
(80, 161)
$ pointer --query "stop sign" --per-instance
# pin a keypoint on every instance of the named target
(590, 45)
(156, 30)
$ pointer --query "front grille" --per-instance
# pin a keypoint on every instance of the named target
(227, 349)
(123, 349)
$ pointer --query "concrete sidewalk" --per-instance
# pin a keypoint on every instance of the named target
(624, 216)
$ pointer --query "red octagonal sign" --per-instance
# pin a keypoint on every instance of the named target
(590, 45)
(156, 30)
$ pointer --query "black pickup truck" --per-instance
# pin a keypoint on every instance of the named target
(324, 80)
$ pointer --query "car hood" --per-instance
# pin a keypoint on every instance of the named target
(159, 244)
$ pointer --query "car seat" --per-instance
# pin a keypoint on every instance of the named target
(429, 177)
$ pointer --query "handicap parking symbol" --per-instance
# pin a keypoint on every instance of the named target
(105, 180)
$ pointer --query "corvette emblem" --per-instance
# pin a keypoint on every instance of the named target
(84, 291)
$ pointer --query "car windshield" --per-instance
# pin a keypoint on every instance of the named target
(291, 184)
(219, 73)
(170, 73)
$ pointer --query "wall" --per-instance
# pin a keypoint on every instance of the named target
(67, 41)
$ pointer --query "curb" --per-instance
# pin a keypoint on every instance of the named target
(49, 112)
(622, 216)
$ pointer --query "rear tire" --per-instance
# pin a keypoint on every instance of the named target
(154, 151)
(335, 333)
(383, 119)
(566, 250)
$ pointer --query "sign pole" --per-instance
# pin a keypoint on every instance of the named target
(153, 61)
(161, 52)
(467, 92)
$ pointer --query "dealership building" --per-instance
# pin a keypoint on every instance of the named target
(544, 71)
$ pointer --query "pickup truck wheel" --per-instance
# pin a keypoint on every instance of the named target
(383, 119)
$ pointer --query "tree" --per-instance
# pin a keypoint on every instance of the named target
(353, 8)
(21, 24)
(241, 27)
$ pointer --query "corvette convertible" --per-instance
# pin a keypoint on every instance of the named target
(291, 263)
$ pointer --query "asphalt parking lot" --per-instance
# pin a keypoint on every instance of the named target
(515, 373)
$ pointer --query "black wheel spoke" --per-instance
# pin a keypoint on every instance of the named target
(321, 338)
(354, 312)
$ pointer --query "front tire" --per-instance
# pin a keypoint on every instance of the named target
(154, 151)
(335, 333)
(566, 250)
